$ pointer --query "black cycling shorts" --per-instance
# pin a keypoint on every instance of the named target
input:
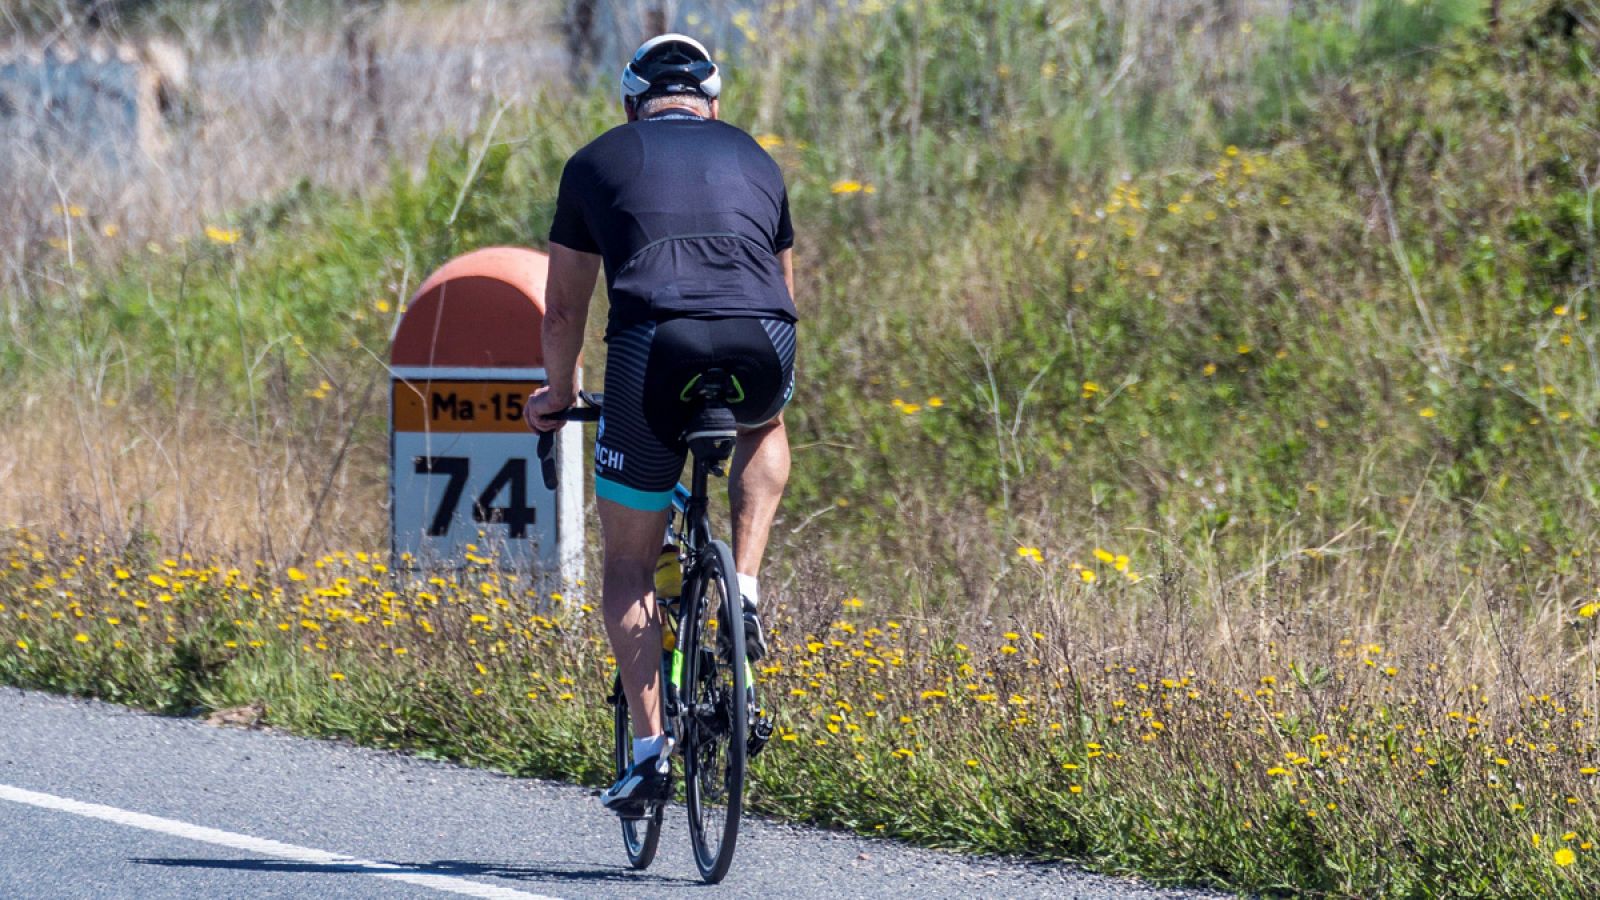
(639, 451)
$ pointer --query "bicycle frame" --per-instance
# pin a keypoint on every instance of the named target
(690, 507)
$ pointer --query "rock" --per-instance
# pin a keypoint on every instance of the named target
(248, 716)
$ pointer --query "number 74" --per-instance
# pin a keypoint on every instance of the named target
(517, 514)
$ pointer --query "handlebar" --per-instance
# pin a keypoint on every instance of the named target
(588, 412)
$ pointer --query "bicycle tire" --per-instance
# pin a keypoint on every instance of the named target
(639, 836)
(717, 727)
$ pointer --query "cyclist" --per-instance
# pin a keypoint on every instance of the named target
(690, 217)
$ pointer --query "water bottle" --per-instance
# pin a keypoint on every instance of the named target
(669, 584)
(669, 574)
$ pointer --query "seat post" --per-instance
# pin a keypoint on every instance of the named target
(711, 436)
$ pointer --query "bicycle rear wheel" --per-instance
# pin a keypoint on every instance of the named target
(639, 836)
(718, 719)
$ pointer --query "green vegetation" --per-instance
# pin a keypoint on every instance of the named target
(1299, 324)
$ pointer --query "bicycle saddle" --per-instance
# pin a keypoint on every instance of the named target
(712, 431)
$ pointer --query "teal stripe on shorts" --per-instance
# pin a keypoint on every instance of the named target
(644, 501)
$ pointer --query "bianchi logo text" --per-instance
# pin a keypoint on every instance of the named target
(606, 458)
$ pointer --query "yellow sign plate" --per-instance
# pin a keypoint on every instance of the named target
(479, 407)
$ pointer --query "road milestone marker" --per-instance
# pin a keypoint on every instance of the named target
(464, 475)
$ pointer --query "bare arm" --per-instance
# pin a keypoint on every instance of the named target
(567, 291)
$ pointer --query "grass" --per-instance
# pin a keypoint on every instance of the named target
(1246, 376)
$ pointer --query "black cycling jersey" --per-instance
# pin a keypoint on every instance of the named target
(689, 215)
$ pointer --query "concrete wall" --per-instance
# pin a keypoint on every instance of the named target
(102, 100)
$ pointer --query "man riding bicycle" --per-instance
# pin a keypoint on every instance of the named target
(690, 218)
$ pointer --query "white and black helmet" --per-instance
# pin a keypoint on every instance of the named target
(671, 63)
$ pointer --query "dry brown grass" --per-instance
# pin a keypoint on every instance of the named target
(139, 475)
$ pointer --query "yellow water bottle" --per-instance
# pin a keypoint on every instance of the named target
(669, 584)
(669, 574)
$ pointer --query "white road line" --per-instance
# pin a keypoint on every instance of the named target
(264, 847)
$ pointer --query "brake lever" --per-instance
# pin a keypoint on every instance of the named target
(591, 403)
(547, 462)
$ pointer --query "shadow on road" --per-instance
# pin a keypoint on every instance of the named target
(554, 872)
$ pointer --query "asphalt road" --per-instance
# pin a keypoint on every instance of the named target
(98, 801)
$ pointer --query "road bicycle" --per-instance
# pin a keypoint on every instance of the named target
(707, 687)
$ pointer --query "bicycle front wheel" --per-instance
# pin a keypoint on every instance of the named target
(639, 836)
(718, 719)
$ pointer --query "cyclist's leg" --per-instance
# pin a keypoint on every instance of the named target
(762, 352)
(760, 468)
(634, 476)
(756, 481)
(632, 540)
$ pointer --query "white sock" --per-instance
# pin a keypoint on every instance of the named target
(646, 747)
(748, 587)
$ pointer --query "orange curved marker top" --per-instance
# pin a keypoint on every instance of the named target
(483, 309)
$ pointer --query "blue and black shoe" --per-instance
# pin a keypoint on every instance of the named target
(646, 782)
